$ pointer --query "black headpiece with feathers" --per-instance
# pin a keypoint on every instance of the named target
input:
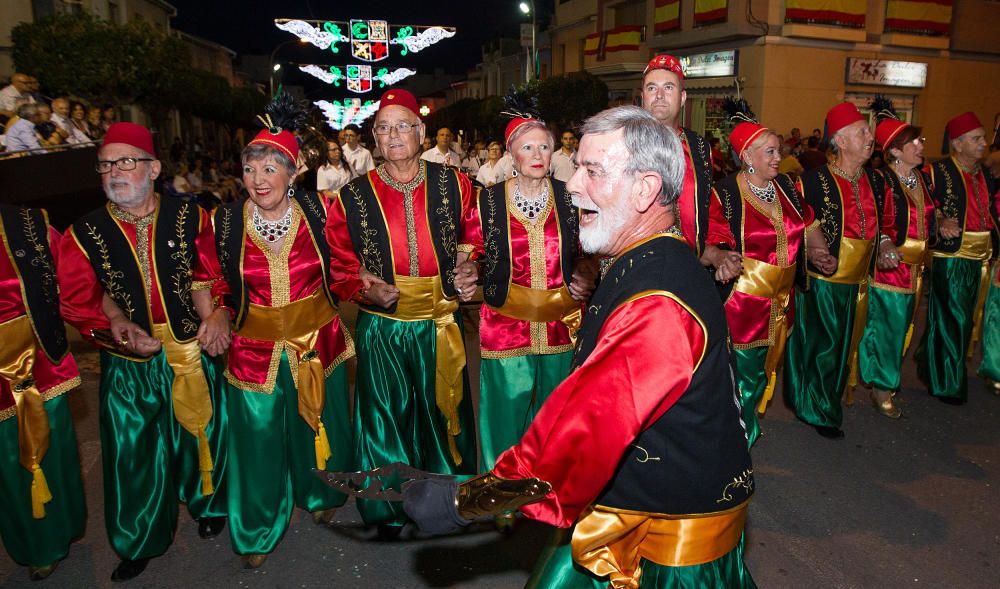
(286, 113)
(738, 111)
(881, 105)
(519, 103)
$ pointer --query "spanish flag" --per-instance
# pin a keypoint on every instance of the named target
(592, 44)
(918, 17)
(667, 16)
(625, 38)
(710, 11)
(842, 13)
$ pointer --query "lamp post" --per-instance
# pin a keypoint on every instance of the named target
(528, 7)
(277, 66)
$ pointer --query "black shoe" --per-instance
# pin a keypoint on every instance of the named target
(129, 569)
(951, 400)
(829, 432)
(387, 532)
(210, 527)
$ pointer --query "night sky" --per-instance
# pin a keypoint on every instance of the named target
(247, 28)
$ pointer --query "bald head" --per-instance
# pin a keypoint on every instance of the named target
(20, 82)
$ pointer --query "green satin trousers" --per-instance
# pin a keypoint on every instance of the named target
(272, 454)
(816, 356)
(954, 287)
(511, 390)
(751, 382)
(38, 542)
(880, 353)
(150, 462)
(396, 418)
(990, 366)
(555, 569)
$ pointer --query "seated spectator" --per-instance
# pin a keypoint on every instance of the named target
(789, 164)
(109, 116)
(78, 118)
(336, 171)
(17, 90)
(180, 182)
(94, 123)
(21, 135)
(50, 134)
(62, 120)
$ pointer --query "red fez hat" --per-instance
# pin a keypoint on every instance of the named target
(130, 134)
(744, 134)
(665, 62)
(400, 98)
(279, 139)
(887, 130)
(840, 116)
(962, 124)
(513, 126)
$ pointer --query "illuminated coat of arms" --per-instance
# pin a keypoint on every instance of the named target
(370, 39)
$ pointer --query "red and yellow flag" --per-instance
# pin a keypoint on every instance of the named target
(920, 17)
(625, 38)
(667, 16)
(710, 11)
(592, 44)
(842, 13)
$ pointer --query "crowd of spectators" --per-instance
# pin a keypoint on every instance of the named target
(33, 123)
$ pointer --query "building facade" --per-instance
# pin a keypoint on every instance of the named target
(794, 59)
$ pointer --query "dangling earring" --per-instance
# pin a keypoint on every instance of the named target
(750, 169)
(513, 172)
(291, 191)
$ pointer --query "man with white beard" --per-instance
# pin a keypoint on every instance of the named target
(134, 277)
(647, 427)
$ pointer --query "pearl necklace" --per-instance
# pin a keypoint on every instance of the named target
(531, 207)
(766, 194)
(272, 231)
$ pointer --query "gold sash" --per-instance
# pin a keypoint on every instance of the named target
(17, 358)
(297, 325)
(913, 252)
(191, 398)
(543, 306)
(765, 280)
(611, 542)
(422, 299)
(976, 245)
(853, 261)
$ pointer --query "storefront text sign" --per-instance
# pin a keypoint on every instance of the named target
(878, 72)
(710, 65)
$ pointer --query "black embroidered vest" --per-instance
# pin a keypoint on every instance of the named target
(950, 197)
(115, 262)
(230, 238)
(902, 205)
(821, 191)
(370, 236)
(728, 190)
(694, 458)
(701, 158)
(494, 217)
(27, 237)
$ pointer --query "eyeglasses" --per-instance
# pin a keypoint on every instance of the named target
(401, 127)
(125, 164)
(919, 140)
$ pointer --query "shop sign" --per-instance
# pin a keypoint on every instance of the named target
(710, 65)
(878, 72)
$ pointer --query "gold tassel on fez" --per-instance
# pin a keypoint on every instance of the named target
(205, 463)
(40, 494)
(323, 451)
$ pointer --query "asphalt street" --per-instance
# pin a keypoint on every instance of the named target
(904, 503)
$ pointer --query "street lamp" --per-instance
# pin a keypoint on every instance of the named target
(529, 8)
(277, 66)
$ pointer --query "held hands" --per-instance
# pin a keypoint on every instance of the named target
(888, 257)
(728, 265)
(948, 228)
(584, 278)
(377, 290)
(132, 337)
(820, 258)
(214, 334)
(466, 275)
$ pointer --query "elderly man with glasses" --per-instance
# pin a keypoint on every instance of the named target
(134, 277)
(393, 237)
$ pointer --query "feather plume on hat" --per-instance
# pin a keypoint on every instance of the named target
(738, 110)
(881, 105)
